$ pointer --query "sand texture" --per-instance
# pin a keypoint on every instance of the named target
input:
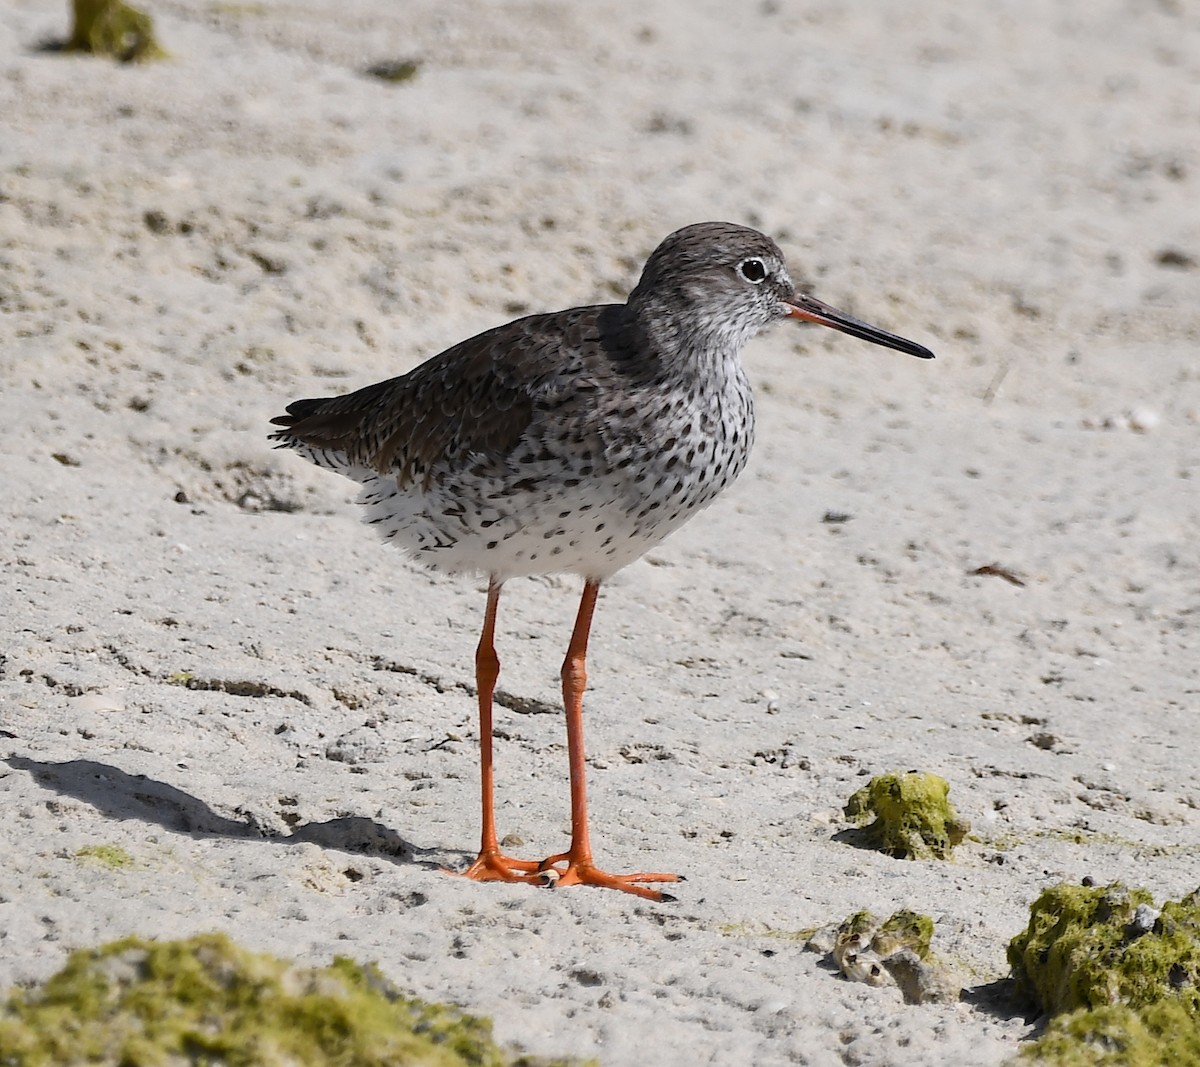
(210, 665)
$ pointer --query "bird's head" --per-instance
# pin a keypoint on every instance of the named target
(717, 281)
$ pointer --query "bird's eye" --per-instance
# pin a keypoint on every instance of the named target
(752, 270)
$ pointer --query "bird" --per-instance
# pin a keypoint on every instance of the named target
(570, 442)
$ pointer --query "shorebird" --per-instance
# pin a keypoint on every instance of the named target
(569, 442)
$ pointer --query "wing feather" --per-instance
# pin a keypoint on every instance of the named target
(476, 398)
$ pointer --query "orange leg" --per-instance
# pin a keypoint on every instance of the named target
(580, 868)
(491, 864)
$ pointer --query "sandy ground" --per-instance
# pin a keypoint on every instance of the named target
(187, 246)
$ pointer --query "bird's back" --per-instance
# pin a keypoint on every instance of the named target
(476, 397)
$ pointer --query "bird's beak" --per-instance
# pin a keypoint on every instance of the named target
(809, 309)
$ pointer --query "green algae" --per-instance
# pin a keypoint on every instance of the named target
(1121, 978)
(394, 70)
(1006, 842)
(859, 924)
(1093, 946)
(1165, 1034)
(141, 1003)
(743, 929)
(112, 856)
(896, 951)
(904, 929)
(113, 28)
(913, 816)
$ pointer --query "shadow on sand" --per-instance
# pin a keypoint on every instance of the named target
(121, 796)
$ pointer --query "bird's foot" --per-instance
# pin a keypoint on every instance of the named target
(494, 866)
(565, 869)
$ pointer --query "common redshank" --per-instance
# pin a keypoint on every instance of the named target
(569, 442)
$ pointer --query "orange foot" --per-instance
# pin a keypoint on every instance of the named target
(494, 866)
(584, 872)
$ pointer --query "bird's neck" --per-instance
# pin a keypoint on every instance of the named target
(687, 347)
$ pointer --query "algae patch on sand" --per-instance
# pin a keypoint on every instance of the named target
(913, 816)
(394, 70)
(111, 856)
(113, 28)
(1121, 977)
(206, 1000)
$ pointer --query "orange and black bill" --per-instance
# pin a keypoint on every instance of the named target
(810, 309)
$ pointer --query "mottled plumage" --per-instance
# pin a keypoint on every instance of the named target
(569, 442)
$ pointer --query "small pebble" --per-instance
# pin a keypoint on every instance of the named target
(1142, 420)
(1144, 918)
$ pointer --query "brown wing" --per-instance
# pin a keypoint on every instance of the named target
(477, 397)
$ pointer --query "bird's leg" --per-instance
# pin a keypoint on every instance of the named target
(580, 868)
(491, 864)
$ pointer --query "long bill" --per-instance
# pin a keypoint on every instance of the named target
(810, 309)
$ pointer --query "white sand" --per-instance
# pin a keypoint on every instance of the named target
(186, 247)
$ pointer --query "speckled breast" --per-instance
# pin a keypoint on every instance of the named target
(587, 503)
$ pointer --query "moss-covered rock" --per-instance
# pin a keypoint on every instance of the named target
(905, 929)
(853, 954)
(1121, 977)
(139, 1003)
(1165, 1034)
(863, 949)
(913, 816)
(113, 28)
(1094, 946)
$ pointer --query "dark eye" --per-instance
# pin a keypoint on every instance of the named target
(752, 270)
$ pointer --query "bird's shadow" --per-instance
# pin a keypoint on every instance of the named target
(120, 796)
